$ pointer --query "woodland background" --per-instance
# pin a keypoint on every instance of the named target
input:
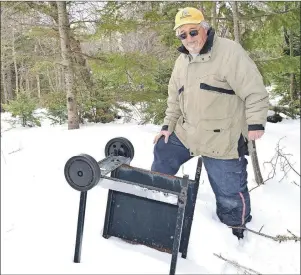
(86, 61)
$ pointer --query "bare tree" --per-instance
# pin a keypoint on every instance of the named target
(64, 29)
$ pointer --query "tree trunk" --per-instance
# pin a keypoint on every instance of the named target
(255, 163)
(9, 82)
(82, 68)
(254, 156)
(21, 77)
(38, 85)
(292, 76)
(27, 81)
(64, 29)
(61, 80)
(7, 85)
(56, 73)
(3, 85)
(235, 21)
(50, 81)
(213, 15)
(15, 63)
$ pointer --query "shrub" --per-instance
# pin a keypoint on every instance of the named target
(55, 103)
(23, 107)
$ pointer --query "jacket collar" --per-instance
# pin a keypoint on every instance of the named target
(207, 46)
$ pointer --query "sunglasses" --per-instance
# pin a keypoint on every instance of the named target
(192, 33)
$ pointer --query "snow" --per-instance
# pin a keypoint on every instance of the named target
(39, 209)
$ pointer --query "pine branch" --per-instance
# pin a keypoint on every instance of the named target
(35, 24)
(246, 270)
(269, 59)
(84, 21)
(228, 18)
(268, 14)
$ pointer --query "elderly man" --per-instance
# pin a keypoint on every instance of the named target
(217, 102)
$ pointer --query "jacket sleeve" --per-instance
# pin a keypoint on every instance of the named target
(246, 80)
(173, 111)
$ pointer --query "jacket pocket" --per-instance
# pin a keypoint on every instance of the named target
(217, 102)
(207, 87)
(215, 136)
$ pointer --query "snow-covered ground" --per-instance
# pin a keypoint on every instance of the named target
(39, 209)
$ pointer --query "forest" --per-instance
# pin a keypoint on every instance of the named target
(92, 61)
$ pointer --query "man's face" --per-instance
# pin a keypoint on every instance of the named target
(195, 37)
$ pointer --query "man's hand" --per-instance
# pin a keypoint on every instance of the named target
(253, 135)
(162, 133)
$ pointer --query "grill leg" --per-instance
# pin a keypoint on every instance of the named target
(190, 215)
(80, 226)
(179, 225)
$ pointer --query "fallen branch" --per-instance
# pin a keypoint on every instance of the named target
(278, 238)
(246, 270)
(15, 151)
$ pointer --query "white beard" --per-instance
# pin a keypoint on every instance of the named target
(192, 48)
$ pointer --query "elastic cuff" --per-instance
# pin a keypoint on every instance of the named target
(255, 127)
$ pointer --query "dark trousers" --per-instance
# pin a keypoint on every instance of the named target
(228, 179)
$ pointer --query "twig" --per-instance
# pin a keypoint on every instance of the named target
(254, 187)
(282, 159)
(291, 233)
(261, 229)
(8, 129)
(3, 156)
(90, 56)
(295, 183)
(15, 151)
(277, 238)
(246, 270)
(287, 162)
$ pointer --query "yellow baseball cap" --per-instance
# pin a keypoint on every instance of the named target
(188, 16)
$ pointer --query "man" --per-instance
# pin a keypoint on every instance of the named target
(217, 102)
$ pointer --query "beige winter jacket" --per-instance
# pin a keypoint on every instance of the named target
(215, 99)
